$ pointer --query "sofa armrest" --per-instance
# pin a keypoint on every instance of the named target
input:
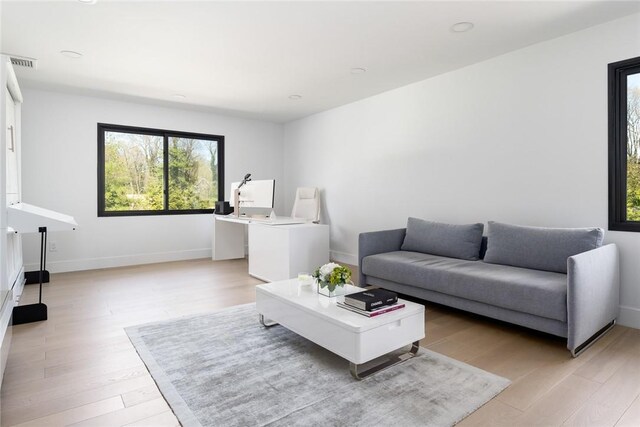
(378, 242)
(593, 293)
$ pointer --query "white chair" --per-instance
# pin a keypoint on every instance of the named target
(307, 204)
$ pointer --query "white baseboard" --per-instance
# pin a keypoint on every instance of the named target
(629, 316)
(152, 258)
(344, 257)
(6, 311)
(18, 285)
(120, 261)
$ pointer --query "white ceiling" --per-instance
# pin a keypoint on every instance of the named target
(246, 58)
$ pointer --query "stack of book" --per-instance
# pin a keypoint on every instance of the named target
(372, 302)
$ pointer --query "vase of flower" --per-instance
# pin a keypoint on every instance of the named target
(331, 279)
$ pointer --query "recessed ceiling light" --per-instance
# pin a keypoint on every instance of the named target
(178, 96)
(88, 1)
(462, 27)
(71, 54)
(295, 97)
(358, 70)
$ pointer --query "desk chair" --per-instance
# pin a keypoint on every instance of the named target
(307, 204)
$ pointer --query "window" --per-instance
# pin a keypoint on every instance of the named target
(158, 172)
(624, 145)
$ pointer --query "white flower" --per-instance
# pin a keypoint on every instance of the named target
(325, 270)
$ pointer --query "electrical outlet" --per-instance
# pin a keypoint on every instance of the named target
(53, 247)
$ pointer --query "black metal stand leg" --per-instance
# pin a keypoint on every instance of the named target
(42, 275)
(43, 258)
(34, 312)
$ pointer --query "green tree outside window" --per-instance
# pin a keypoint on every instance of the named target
(134, 172)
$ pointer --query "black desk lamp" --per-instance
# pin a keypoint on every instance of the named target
(236, 194)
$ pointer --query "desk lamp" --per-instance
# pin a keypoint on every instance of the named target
(236, 194)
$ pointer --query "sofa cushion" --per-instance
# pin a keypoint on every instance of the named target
(541, 293)
(537, 247)
(436, 238)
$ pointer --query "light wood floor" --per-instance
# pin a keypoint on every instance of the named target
(79, 368)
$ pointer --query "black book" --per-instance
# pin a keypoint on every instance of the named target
(372, 313)
(371, 299)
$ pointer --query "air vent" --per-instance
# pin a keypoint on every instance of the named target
(22, 61)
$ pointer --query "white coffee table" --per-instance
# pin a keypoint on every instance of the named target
(357, 338)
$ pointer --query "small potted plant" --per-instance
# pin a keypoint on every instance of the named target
(331, 279)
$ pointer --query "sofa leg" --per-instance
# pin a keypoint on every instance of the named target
(585, 345)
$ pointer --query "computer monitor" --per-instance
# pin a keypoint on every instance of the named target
(256, 194)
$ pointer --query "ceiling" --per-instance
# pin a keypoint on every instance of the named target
(247, 58)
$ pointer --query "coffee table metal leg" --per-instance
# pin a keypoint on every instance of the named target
(384, 365)
(266, 324)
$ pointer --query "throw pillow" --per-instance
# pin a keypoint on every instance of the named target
(538, 248)
(437, 238)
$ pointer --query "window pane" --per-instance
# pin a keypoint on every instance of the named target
(633, 147)
(193, 173)
(133, 172)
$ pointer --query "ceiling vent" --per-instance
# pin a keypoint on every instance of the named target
(23, 61)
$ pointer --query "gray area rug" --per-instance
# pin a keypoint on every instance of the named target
(225, 369)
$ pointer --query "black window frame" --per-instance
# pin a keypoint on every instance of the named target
(618, 72)
(166, 134)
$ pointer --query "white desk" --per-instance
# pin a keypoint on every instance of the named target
(278, 250)
(227, 240)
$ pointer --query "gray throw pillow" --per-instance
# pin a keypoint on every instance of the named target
(538, 248)
(437, 238)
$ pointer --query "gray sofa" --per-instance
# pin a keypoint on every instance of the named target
(559, 281)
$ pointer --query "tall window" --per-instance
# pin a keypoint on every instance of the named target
(624, 145)
(158, 172)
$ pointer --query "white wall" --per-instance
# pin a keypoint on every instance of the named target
(59, 172)
(521, 138)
